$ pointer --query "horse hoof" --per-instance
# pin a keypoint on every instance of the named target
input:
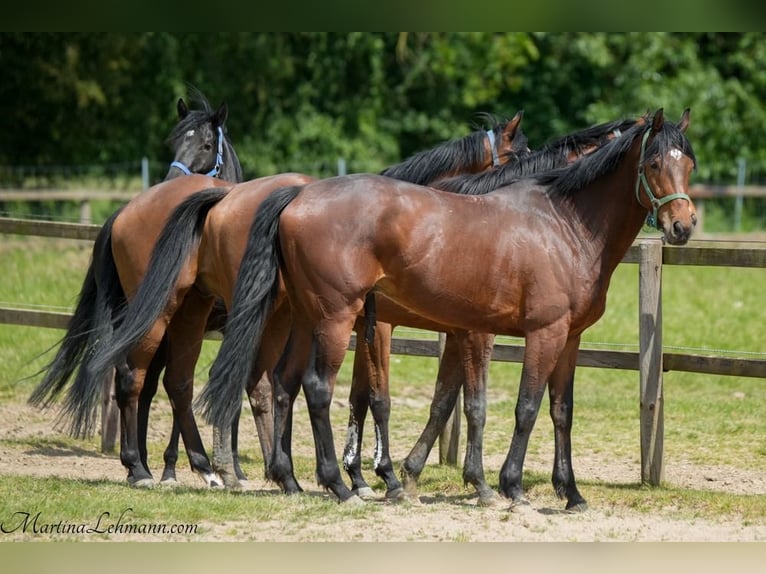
(169, 483)
(521, 506)
(491, 500)
(578, 508)
(243, 484)
(353, 500)
(141, 483)
(365, 493)
(397, 495)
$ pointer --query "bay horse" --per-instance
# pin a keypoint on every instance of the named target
(533, 258)
(466, 356)
(201, 145)
(184, 335)
(171, 279)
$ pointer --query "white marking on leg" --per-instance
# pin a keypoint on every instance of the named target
(378, 448)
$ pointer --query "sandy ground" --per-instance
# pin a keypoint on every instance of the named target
(435, 518)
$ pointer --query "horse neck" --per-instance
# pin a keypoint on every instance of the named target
(607, 218)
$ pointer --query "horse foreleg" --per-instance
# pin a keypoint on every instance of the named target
(561, 393)
(476, 352)
(448, 382)
(541, 354)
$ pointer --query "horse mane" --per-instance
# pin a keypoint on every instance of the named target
(579, 175)
(423, 167)
(552, 155)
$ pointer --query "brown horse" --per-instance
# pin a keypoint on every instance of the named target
(217, 267)
(225, 232)
(200, 144)
(531, 259)
(466, 357)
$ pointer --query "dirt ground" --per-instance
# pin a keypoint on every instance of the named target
(435, 518)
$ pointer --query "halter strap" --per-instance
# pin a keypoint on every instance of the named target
(218, 159)
(655, 202)
(491, 138)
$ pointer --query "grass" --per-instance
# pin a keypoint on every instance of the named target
(709, 420)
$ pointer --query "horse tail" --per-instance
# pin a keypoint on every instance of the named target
(99, 296)
(254, 296)
(169, 256)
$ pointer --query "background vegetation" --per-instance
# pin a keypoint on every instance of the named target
(302, 100)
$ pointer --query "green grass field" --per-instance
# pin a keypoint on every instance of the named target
(709, 420)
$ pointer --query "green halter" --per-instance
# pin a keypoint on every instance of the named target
(651, 219)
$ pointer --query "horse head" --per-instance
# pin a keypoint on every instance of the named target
(662, 186)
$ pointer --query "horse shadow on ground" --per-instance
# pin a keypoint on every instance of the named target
(54, 448)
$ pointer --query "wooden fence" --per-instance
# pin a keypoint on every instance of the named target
(650, 360)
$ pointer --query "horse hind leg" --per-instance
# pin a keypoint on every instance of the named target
(326, 352)
(561, 393)
(379, 398)
(128, 387)
(185, 336)
(359, 402)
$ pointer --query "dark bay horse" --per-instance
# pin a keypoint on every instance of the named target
(225, 232)
(200, 145)
(217, 262)
(532, 259)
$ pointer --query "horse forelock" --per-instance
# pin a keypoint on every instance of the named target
(570, 179)
(668, 138)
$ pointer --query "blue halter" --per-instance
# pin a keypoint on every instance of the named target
(218, 159)
(641, 181)
(491, 138)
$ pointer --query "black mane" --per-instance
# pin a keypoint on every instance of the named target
(551, 156)
(569, 180)
(422, 167)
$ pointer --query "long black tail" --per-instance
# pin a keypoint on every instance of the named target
(100, 299)
(253, 299)
(170, 254)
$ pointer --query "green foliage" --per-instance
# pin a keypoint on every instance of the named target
(302, 100)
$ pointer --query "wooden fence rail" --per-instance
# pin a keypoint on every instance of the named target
(650, 361)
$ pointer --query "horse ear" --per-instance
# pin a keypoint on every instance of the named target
(659, 120)
(684, 123)
(221, 114)
(513, 125)
(183, 111)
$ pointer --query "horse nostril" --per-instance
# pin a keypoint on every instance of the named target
(678, 228)
(694, 219)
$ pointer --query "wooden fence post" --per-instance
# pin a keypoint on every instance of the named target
(650, 360)
(449, 439)
(85, 211)
(110, 416)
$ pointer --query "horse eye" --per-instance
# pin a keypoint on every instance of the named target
(208, 147)
(654, 165)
